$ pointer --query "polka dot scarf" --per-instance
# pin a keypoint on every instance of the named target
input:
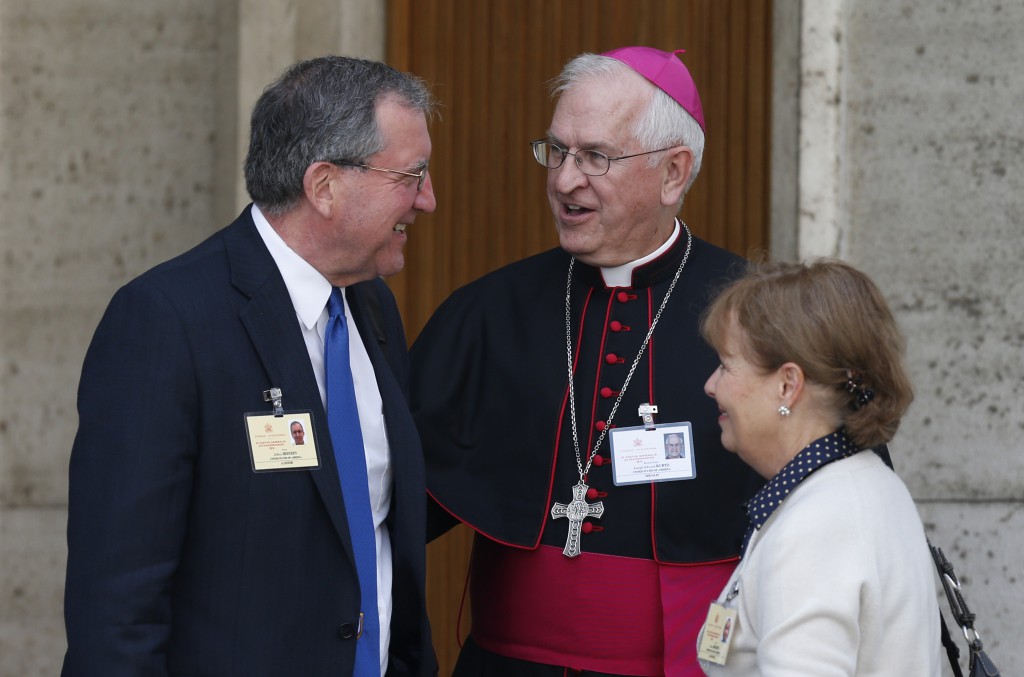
(815, 455)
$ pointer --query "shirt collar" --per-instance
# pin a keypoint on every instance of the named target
(622, 276)
(308, 289)
(814, 456)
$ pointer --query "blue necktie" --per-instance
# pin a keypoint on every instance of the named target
(347, 440)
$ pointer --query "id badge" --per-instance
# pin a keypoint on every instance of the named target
(645, 454)
(286, 441)
(717, 634)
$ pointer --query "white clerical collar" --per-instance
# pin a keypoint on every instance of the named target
(308, 289)
(622, 276)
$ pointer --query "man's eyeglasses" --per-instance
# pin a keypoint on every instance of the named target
(421, 175)
(590, 162)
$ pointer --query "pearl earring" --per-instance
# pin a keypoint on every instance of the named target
(784, 410)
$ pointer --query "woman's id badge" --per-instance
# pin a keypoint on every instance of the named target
(717, 633)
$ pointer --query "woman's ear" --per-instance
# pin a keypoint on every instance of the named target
(791, 383)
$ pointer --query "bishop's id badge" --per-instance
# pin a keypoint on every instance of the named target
(652, 454)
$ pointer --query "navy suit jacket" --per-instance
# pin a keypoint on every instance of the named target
(181, 559)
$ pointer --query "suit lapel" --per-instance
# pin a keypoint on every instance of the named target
(269, 317)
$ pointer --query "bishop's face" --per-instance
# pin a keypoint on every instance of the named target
(618, 217)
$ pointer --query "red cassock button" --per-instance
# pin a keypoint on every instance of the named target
(615, 325)
(607, 392)
(622, 297)
(591, 494)
(599, 425)
(611, 358)
(599, 460)
(587, 527)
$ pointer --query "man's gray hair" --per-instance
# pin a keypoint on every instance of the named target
(664, 122)
(322, 109)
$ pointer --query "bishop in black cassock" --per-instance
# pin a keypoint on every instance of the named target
(492, 403)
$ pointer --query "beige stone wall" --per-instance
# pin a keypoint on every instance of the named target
(107, 135)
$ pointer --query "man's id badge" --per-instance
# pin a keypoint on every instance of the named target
(282, 442)
(717, 634)
(645, 454)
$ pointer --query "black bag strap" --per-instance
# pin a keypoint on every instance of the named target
(980, 663)
(952, 650)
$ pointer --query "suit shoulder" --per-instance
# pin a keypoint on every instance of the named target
(203, 280)
(190, 264)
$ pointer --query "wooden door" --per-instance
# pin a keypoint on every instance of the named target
(489, 63)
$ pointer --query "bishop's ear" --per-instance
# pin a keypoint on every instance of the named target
(679, 167)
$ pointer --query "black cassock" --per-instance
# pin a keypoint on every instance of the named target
(490, 398)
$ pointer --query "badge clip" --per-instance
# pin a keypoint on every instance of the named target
(647, 412)
(275, 395)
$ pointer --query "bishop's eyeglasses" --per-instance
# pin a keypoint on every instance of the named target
(590, 162)
(421, 175)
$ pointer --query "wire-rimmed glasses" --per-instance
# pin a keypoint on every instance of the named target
(590, 162)
(421, 175)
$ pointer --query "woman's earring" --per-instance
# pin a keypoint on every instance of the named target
(784, 410)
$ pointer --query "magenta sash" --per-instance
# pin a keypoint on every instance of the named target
(619, 615)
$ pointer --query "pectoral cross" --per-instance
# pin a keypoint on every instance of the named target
(577, 511)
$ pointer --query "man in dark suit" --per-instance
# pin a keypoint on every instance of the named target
(201, 541)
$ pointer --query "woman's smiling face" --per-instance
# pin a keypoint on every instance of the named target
(747, 400)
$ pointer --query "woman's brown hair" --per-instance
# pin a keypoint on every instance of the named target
(831, 319)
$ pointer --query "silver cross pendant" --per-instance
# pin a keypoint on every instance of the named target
(577, 511)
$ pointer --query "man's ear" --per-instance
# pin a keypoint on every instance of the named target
(680, 165)
(317, 184)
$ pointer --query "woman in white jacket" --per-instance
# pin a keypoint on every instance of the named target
(835, 576)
